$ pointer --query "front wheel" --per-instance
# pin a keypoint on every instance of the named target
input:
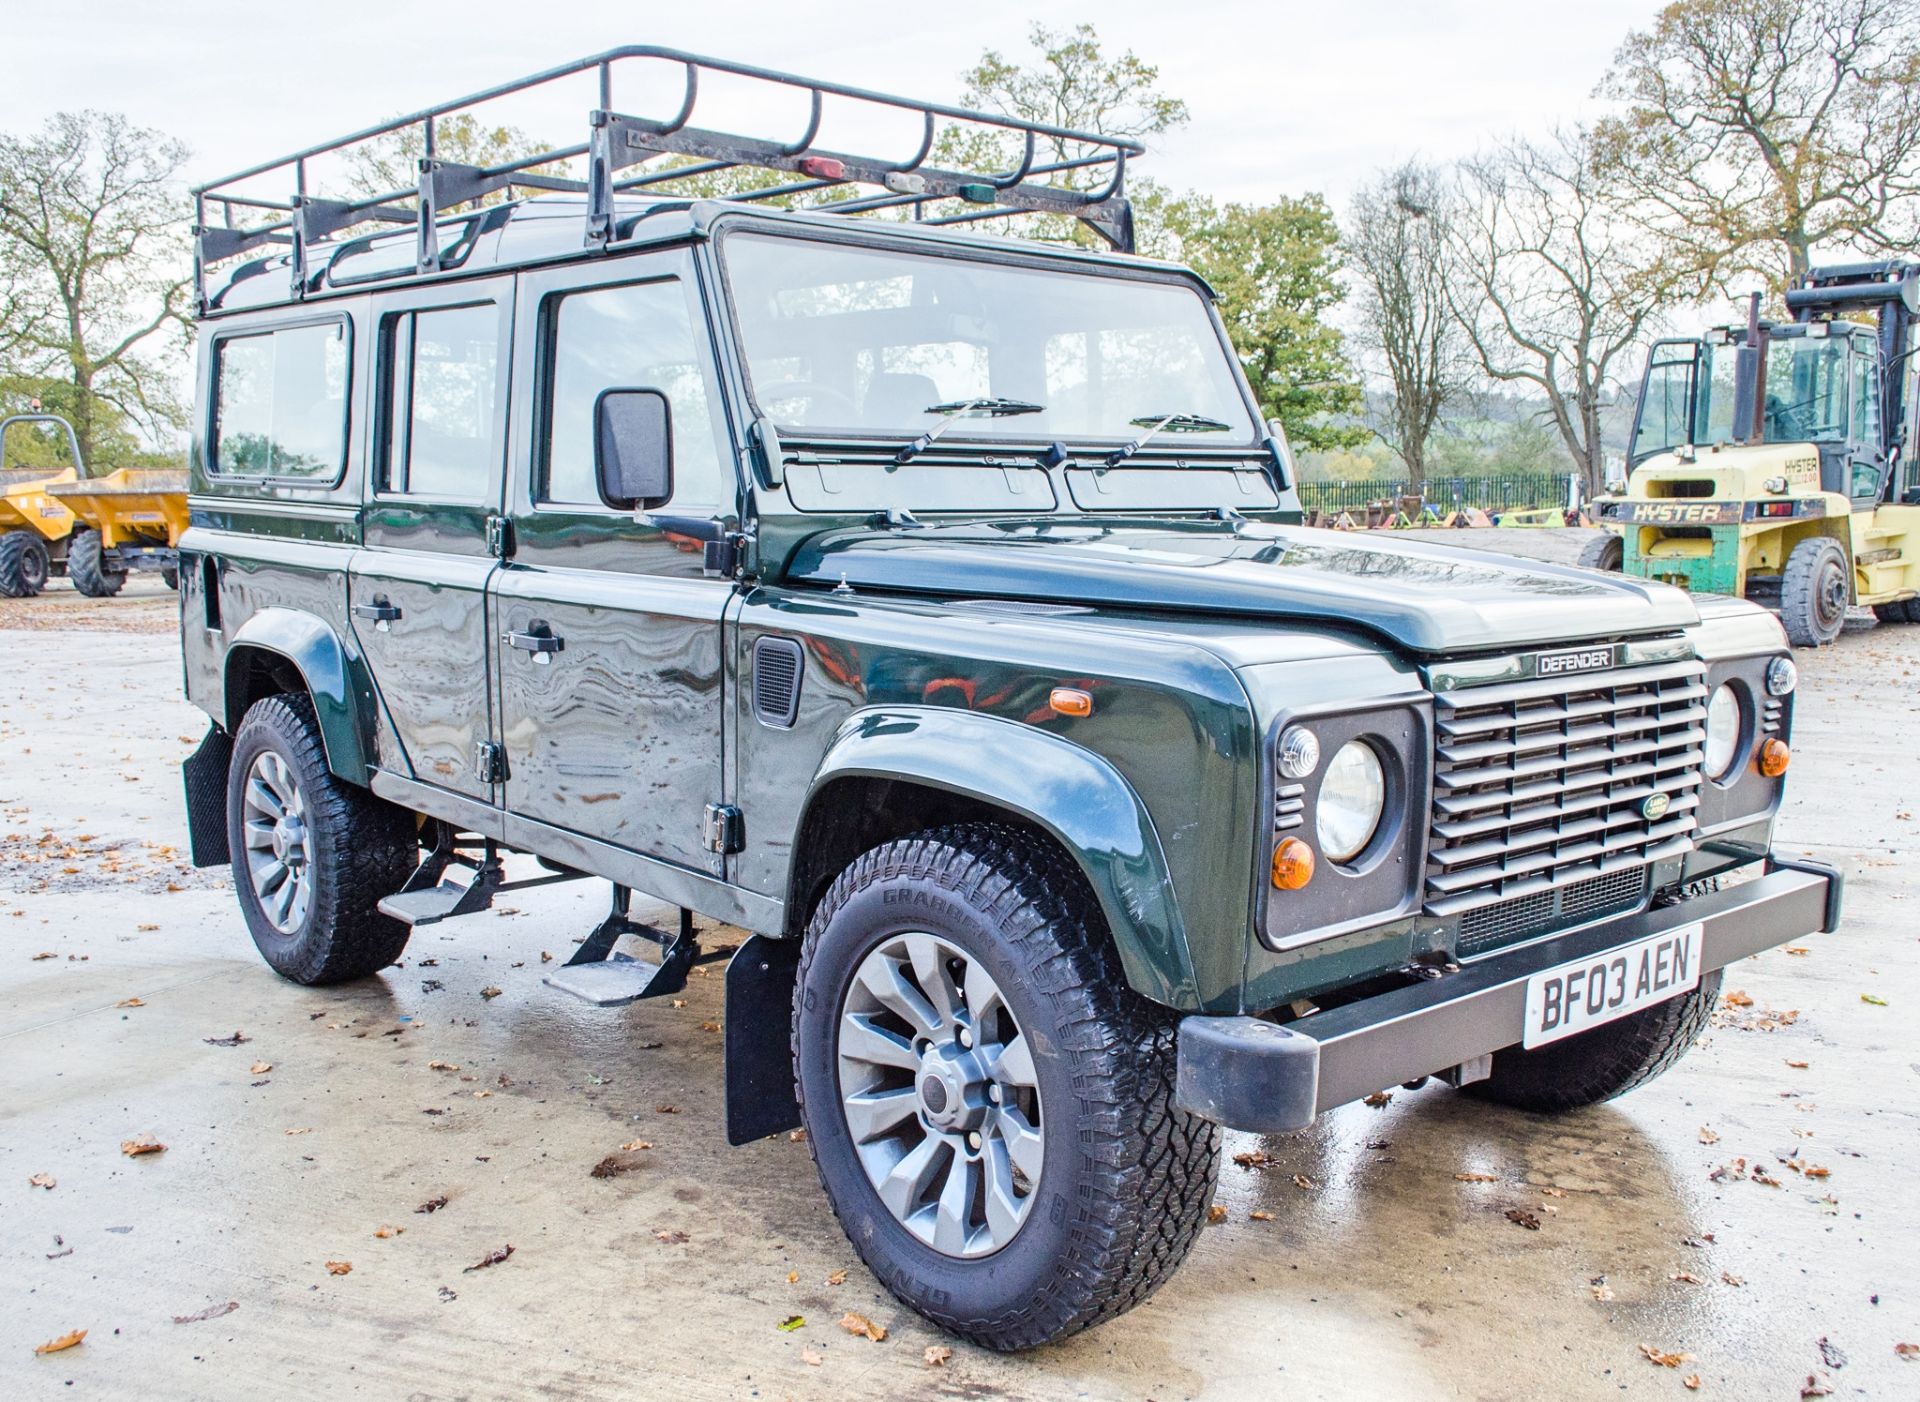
(23, 565)
(312, 854)
(1814, 592)
(1603, 552)
(989, 1105)
(88, 567)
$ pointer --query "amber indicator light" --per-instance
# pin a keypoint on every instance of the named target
(1070, 701)
(1292, 864)
(1774, 758)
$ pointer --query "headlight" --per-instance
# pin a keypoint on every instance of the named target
(1352, 797)
(1723, 732)
(1782, 677)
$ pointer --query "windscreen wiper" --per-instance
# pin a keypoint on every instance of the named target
(986, 408)
(1156, 424)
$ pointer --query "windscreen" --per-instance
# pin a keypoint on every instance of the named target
(846, 338)
(1807, 395)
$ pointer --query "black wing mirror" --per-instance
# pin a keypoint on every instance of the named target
(633, 448)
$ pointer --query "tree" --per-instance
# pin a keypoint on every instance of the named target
(1277, 270)
(1401, 249)
(1756, 130)
(391, 162)
(91, 269)
(1553, 288)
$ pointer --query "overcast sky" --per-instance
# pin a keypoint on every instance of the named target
(1286, 97)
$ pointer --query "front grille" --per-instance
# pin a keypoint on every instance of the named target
(1508, 922)
(1541, 783)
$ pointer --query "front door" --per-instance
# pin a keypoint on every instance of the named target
(609, 662)
(418, 592)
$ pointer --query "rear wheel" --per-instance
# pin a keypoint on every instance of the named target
(1814, 592)
(989, 1105)
(172, 579)
(88, 568)
(23, 565)
(312, 855)
(1901, 611)
(1603, 553)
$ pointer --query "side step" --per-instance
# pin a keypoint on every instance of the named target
(601, 975)
(428, 897)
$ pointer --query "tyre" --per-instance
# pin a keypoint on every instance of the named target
(1011, 1195)
(1900, 611)
(1603, 553)
(87, 566)
(312, 855)
(23, 565)
(1814, 590)
(171, 579)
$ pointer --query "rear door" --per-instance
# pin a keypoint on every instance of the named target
(418, 592)
(610, 656)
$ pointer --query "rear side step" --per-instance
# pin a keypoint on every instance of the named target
(601, 975)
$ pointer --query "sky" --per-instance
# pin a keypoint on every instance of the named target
(1286, 97)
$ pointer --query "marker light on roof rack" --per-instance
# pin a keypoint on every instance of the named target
(903, 182)
(823, 168)
(977, 194)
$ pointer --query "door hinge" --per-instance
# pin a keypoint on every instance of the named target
(723, 829)
(490, 762)
(500, 537)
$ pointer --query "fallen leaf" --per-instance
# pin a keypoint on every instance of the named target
(131, 1003)
(235, 1040)
(1664, 1360)
(432, 1204)
(1255, 1159)
(1476, 1178)
(1378, 1098)
(793, 1277)
(1601, 1290)
(41, 1180)
(1691, 1382)
(1734, 1280)
(443, 1066)
(1798, 1065)
(383, 1233)
(1259, 1216)
(666, 1109)
(1830, 1353)
(1766, 1179)
(146, 929)
(1735, 999)
(839, 1277)
(798, 1136)
(1216, 1215)
(1304, 1183)
(260, 1068)
(46, 954)
(490, 992)
(492, 1258)
(304, 1129)
(145, 1144)
(937, 1355)
(339, 1268)
(670, 1238)
(1815, 1387)
(1910, 1352)
(791, 1322)
(679, 1002)
(810, 1358)
(1818, 1171)
(860, 1324)
(709, 1027)
(1554, 1192)
(1874, 999)
(64, 1342)
(1686, 1278)
(210, 1312)
(1707, 1136)
(1520, 1217)
(1798, 949)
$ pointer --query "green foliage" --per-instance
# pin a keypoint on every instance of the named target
(1277, 270)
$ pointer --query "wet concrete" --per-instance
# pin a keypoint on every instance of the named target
(1382, 1274)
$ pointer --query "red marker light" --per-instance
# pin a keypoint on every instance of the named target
(823, 167)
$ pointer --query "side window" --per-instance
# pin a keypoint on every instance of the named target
(634, 336)
(438, 419)
(280, 403)
(1866, 399)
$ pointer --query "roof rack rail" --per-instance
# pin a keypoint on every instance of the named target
(619, 147)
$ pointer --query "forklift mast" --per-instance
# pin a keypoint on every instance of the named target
(1890, 289)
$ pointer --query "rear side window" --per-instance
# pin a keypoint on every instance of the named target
(280, 403)
(440, 412)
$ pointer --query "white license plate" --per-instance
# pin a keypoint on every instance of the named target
(1571, 998)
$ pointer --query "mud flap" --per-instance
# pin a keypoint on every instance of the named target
(205, 773)
(759, 1020)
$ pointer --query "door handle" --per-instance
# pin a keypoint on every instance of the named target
(538, 640)
(379, 612)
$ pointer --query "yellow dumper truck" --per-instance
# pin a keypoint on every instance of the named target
(1779, 461)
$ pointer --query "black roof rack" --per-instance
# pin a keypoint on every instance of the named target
(617, 154)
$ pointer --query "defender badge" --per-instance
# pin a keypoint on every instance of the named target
(1655, 807)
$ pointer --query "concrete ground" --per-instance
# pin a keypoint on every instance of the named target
(296, 1153)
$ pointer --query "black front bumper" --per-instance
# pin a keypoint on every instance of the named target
(1261, 1076)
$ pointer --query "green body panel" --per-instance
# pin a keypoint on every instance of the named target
(1071, 792)
(1715, 573)
(317, 653)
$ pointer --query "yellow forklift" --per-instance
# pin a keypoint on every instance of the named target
(1779, 462)
(35, 526)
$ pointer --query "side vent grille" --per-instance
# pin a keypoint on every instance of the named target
(776, 681)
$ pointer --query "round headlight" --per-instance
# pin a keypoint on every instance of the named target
(1299, 753)
(1352, 797)
(1782, 677)
(1723, 732)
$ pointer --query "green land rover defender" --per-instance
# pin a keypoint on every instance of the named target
(935, 609)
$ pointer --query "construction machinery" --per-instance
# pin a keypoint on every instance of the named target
(125, 520)
(1778, 461)
(35, 526)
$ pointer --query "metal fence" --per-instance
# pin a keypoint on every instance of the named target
(1502, 493)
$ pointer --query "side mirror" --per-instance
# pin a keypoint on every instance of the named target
(633, 448)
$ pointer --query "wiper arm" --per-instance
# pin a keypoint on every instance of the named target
(988, 408)
(1156, 424)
